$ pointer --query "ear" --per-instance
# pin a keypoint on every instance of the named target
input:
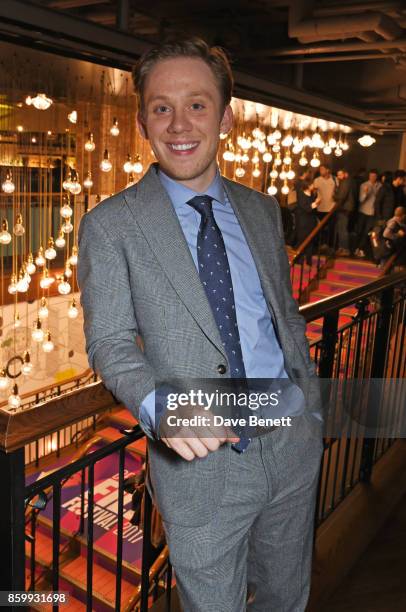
(227, 120)
(141, 125)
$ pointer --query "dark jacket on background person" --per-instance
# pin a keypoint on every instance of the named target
(385, 202)
(344, 195)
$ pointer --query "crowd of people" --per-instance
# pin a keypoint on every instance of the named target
(370, 212)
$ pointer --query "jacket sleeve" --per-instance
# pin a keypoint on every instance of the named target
(110, 325)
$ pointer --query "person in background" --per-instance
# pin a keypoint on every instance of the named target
(399, 185)
(325, 185)
(344, 197)
(306, 216)
(366, 213)
(385, 198)
(395, 232)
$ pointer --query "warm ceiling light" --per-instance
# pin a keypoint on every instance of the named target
(114, 130)
(73, 116)
(90, 144)
(40, 102)
(366, 140)
(105, 164)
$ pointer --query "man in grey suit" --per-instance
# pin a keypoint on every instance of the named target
(195, 264)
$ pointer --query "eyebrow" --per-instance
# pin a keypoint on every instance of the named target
(202, 94)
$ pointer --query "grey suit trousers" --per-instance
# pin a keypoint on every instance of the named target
(262, 532)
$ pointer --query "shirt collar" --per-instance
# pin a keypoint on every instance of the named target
(180, 194)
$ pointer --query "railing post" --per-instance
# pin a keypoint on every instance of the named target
(329, 341)
(379, 355)
(12, 536)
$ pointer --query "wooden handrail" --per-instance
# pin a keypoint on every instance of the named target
(153, 572)
(316, 310)
(19, 428)
(315, 232)
(45, 388)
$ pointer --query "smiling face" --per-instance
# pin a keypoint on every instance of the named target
(182, 119)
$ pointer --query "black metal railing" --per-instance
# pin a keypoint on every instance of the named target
(369, 344)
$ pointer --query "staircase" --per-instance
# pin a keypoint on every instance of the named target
(347, 273)
(73, 545)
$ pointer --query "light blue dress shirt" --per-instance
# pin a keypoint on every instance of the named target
(262, 354)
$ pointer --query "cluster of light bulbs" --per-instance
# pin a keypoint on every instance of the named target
(41, 101)
(279, 148)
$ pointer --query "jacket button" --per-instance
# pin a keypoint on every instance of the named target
(221, 369)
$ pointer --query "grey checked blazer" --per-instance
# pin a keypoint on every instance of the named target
(137, 276)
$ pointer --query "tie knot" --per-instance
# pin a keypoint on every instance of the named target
(203, 205)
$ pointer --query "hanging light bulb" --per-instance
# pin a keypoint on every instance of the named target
(66, 211)
(290, 174)
(73, 259)
(327, 150)
(28, 100)
(4, 380)
(273, 173)
(267, 157)
(128, 165)
(46, 280)
(287, 160)
(30, 266)
(64, 287)
(338, 151)
(37, 333)
(12, 288)
(50, 252)
(287, 141)
(332, 142)
(18, 228)
(277, 135)
(14, 400)
(41, 101)
(315, 161)
(303, 161)
(255, 158)
(256, 171)
(60, 241)
(48, 345)
(40, 259)
(345, 146)
(244, 158)
(75, 187)
(114, 130)
(138, 167)
(67, 182)
(26, 368)
(278, 160)
(282, 175)
(105, 164)
(276, 148)
(8, 185)
(73, 116)
(43, 309)
(24, 270)
(285, 188)
(271, 139)
(239, 172)
(88, 182)
(90, 144)
(22, 284)
(72, 310)
(272, 189)
(5, 236)
(68, 271)
(297, 148)
(17, 320)
(67, 227)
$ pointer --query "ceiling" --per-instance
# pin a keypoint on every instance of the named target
(352, 53)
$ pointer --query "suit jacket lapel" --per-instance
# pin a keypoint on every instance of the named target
(157, 219)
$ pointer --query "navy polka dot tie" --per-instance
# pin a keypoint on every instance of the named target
(214, 272)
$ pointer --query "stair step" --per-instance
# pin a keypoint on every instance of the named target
(104, 581)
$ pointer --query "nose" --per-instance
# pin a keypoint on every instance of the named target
(179, 122)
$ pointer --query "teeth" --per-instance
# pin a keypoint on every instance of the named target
(183, 147)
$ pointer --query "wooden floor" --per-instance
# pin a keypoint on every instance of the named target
(377, 583)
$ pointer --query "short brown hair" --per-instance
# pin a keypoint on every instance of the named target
(214, 57)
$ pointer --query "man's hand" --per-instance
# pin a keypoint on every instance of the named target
(192, 441)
